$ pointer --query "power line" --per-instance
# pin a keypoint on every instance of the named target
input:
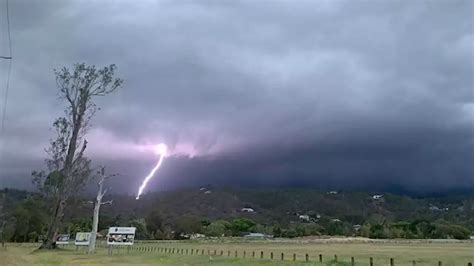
(5, 101)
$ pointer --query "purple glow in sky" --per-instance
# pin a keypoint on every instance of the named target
(341, 94)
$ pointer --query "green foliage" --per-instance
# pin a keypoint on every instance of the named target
(242, 225)
(154, 224)
(277, 232)
(217, 228)
(451, 231)
(141, 231)
(79, 225)
(335, 228)
(378, 231)
(290, 233)
(29, 220)
(189, 225)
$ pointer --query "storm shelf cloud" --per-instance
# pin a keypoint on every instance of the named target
(329, 94)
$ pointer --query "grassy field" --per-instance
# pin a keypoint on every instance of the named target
(153, 254)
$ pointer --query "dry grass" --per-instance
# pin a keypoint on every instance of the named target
(450, 253)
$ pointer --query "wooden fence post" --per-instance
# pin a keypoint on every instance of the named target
(414, 262)
(192, 251)
(371, 261)
(261, 254)
(392, 263)
(294, 256)
(469, 264)
(307, 257)
(215, 252)
(440, 263)
(282, 256)
(202, 252)
(236, 253)
(335, 258)
(228, 253)
(222, 252)
(271, 255)
(320, 257)
(352, 261)
(253, 254)
(245, 253)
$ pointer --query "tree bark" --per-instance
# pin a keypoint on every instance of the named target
(50, 240)
(98, 203)
(95, 220)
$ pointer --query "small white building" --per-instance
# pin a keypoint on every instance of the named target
(377, 197)
(247, 210)
(333, 192)
(304, 217)
(208, 192)
(336, 220)
(197, 236)
(255, 235)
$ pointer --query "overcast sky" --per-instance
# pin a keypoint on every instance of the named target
(327, 94)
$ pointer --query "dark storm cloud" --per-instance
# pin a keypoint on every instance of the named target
(321, 93)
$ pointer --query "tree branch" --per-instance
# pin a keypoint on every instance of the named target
(81, 153)
(107, 202)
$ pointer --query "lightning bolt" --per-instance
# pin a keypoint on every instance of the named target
(161, 150)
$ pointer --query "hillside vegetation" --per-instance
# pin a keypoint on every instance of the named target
(289, 213)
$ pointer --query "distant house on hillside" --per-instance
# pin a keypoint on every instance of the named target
(304, 217)
(247, 210)
(196, 236)
(208, 192)
(435, 208)
(336, 220)
(202, 188)
(377, 197)
(333, 192)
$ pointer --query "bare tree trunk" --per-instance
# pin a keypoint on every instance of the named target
(95, 220)
(50, 240)
(98, 203)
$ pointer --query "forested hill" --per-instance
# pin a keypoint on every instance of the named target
(328, 212)
(286, 205)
